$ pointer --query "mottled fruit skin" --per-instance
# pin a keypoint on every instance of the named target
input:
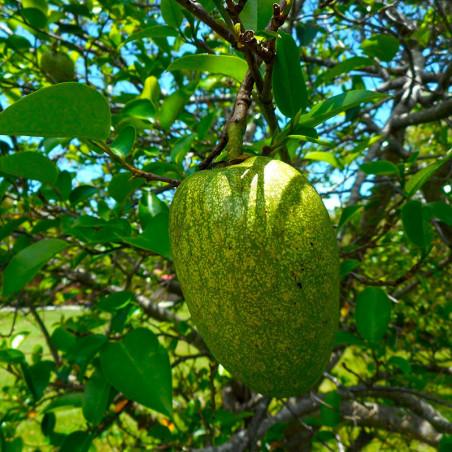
(257, 258)
(58, 67)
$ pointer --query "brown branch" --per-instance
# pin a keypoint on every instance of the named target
(197, 10)
(440, 111)
(238, 117)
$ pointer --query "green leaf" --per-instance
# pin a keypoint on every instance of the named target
(171, 107)
(25, 264)
(139, 367)
(155, 236)
(8, 228)
(344, 67)
(85, 348)
(171, 13)
(152, 91)
(95, 397)
(229, 65)
(153, 31)
(123, 144)
(311, 140)
(122, 186)
(139, 108)
(149, 207)
(327, 157)
(256, 14)
(11, 355)
(81, 193)
(416, 181)
(35, 12)
(62, 339)
(347, 338)
(401, 363)
(29, 165)
(48, 423)
(331, 414)
(336, 105)
(346, 215)
(347, 266)
(63, 110)
(383, 47)
(115, 301)
(438, 209)
(289, 87)
(181, 148)
(416, 224)
(40, 377)
(72, 399)
(77, 441)
(380, 167)
(372, 313)
(15, 445)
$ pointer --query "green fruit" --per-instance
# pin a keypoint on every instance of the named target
(58, 67)
(257, 259)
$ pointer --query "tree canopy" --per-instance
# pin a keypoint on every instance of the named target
(107, 105)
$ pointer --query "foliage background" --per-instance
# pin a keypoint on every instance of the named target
(385, 180)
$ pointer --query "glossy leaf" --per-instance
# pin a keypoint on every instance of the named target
(153, 31)
(171, 13)
(139, 367)
(256, 14)
(154, 237)
(122, 186)
(372, 313)
(416, 224)
(323, 157)
(337, 104)
(416, 181)
(344, 67)
(29, 165)
(288, 83)
(346, 215)
(149, 207)
(229, 65)
(171, 107)
(95, 397)
(380, 167)
(63, 110)
(26, 264)
(123, 144)
(383, 47)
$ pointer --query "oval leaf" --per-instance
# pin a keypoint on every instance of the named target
(416, 224)
(330, 409)
(287, 80)
(139, 367)
(336, 105)
(256, 14)
(383, 47)
(124, 142)
(228, 65)
(95, 397)
(29, 165)
(372, 313)
(63, 110)
(154, 31)
(346, 215)
(380, 167)
(171, 13)
(25, 264)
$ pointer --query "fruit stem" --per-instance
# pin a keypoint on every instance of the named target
(235, 130)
